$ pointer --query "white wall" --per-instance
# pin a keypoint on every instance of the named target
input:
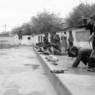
(13, 40)
(81, 37)
(26, 41)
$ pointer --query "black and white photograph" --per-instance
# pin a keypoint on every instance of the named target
(47, 47)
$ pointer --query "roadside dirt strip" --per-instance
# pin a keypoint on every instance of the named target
(67, 80)
(55, 81)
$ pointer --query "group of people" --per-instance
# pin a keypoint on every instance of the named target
(87, 56)
(53, 46)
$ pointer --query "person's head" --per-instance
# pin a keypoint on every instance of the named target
(92, 19)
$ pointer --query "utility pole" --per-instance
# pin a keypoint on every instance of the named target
(5, 27)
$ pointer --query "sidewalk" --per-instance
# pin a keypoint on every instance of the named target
(75, 81)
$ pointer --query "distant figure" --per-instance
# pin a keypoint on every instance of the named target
(64, 42)
(46, 42)
(55, 43)
(70, 39)
(51, 42)
(19, 35)
(91, 27)
(52, 37)
(72, 50)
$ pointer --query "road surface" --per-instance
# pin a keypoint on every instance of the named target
(21, 73)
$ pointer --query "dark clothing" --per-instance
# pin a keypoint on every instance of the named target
(93, 42)
(73, 51)
(19, 35)
(55, 44)
(46, 44)
(83, 56)
(90, 27)
(70, 39)
(55, 41)
(45, 39)
(91, 62)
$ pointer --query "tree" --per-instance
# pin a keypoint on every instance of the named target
(46, 22)
(81, 11)
(15, 30)
(41, 23)
(25, 29)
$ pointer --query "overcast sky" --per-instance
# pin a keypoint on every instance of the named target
(16, 12)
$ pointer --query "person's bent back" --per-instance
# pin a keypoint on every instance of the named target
(83, 55)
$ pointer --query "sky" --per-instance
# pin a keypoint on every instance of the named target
(14, 13)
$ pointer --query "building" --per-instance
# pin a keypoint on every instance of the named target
(80, 36)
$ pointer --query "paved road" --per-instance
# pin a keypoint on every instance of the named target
(21, 73)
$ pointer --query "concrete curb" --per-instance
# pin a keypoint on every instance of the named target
(59, 87)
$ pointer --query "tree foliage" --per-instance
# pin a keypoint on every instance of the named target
(81, 11)
(25, 29)
(46, 22)
(42, 23)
